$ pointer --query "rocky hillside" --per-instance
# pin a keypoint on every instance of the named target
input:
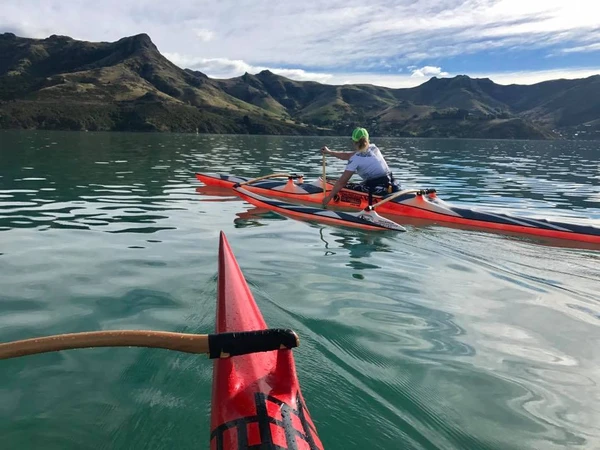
(62, 83)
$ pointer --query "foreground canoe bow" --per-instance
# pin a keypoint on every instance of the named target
(366, 220)
(421, 204)
(256, 398)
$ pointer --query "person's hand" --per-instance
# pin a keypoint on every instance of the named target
(325, 150)
(326, 200)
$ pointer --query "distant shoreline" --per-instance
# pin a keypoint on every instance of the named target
(324, 137)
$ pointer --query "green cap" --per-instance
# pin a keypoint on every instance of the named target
(359, 133)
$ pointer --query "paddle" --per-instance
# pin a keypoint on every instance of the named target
(222, 345)
(324, 176)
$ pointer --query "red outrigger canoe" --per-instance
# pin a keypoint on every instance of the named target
(256, 398)
(420, 204)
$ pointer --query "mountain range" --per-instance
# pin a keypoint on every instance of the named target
(128, 85)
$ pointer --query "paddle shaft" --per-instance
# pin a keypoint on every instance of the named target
(222, 345)
(324, 175)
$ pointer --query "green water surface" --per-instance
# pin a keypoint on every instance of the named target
(438, 338)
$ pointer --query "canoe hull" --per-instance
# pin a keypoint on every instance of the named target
(256, 398)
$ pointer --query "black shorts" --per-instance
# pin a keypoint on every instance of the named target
(380, 186)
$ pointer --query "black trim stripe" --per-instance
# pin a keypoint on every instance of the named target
(264, 421)
(309, 188)
(503, 219)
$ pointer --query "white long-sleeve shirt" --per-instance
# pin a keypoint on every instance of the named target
(368, 164)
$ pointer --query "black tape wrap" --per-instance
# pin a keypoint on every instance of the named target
(224, 345)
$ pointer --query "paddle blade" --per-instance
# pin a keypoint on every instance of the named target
(373, 217)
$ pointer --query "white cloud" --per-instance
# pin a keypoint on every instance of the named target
(407, 81)
(391, 81)
(532, 77)
(25, 28)
(224, 68)
(213, 67)
(302, 75)
(204, 35)
(429, 71)
(227, 68)
(347, 35)
(583, 48)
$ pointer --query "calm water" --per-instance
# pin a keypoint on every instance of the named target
(436, 338)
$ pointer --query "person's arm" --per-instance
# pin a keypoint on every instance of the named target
(340, 155)
(339, 184)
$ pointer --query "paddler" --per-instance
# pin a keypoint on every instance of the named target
(367, 161)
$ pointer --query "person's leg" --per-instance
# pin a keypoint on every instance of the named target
(357, 187)
(396, 187)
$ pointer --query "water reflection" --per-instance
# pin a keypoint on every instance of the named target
(256, 217)
(216, 194)
(359, 244)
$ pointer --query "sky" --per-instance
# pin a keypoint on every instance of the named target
(398, 43)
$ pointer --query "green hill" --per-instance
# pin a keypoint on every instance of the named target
(62, 83)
